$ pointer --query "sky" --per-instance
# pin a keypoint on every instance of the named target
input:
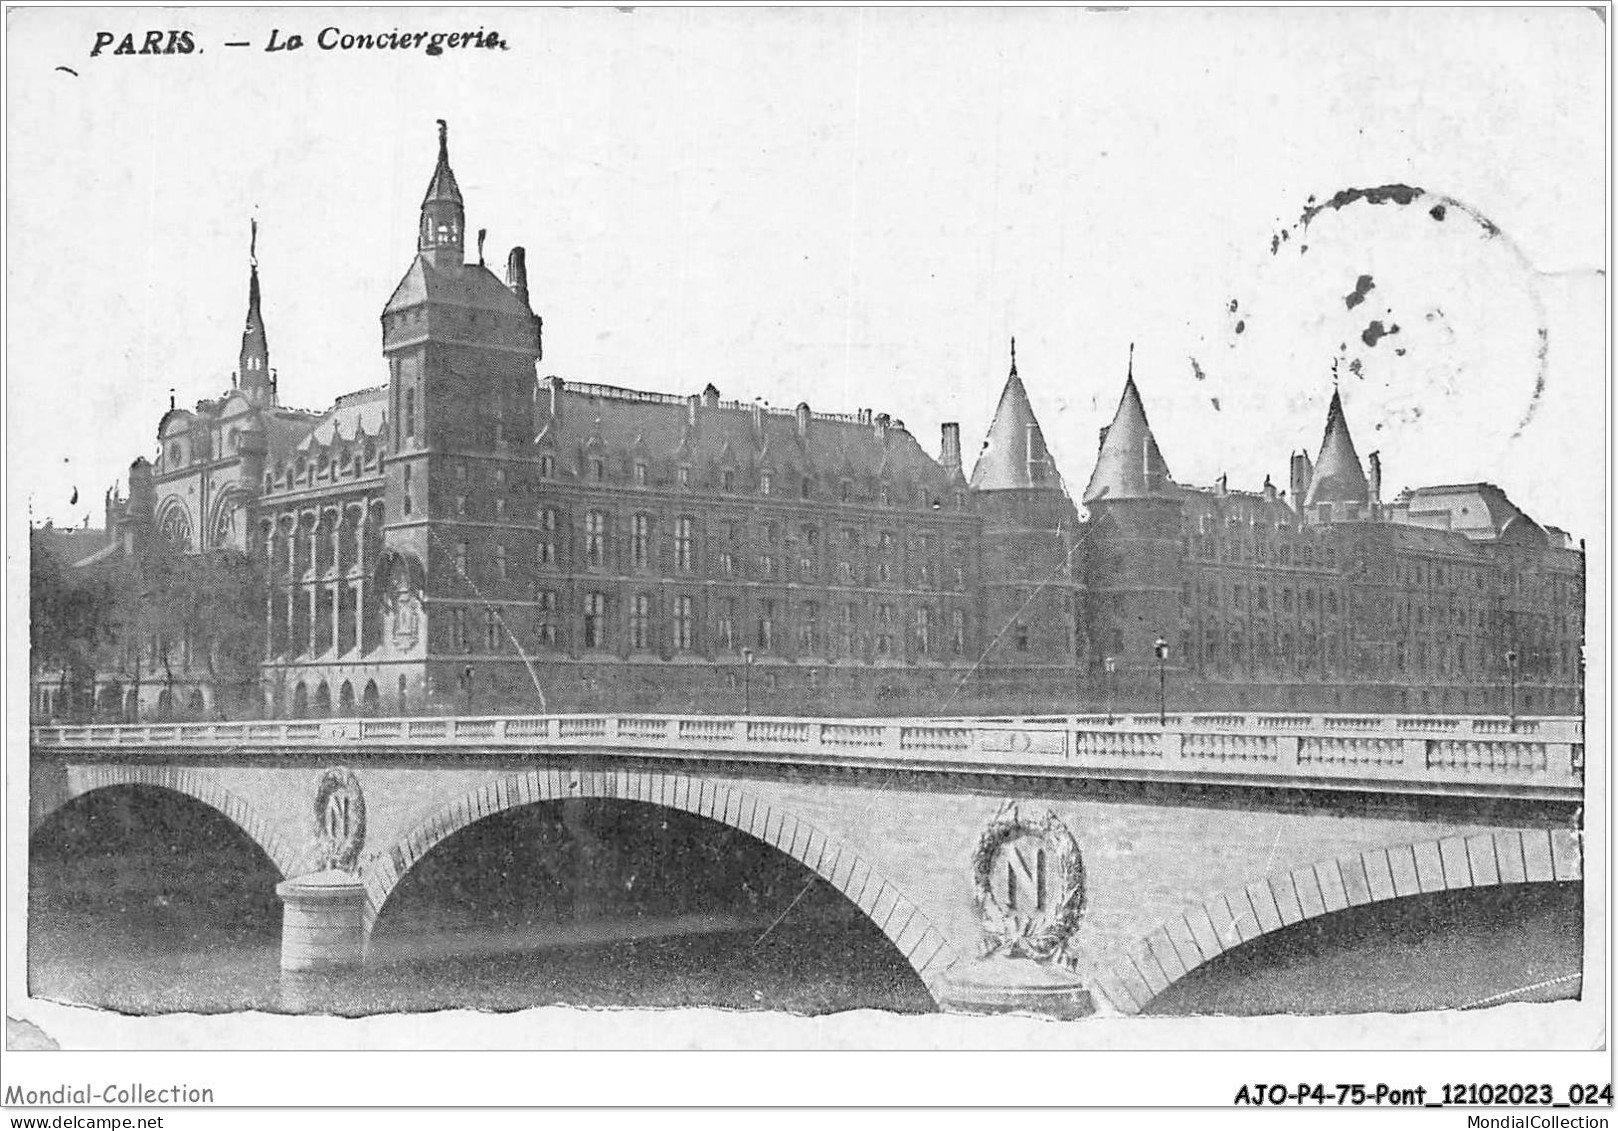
(853, 208)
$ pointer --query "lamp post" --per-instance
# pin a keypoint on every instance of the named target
(1161, 648)
(747, 681)
(1511, 670)
(1110, 665)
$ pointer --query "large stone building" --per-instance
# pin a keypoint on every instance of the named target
(473, 537)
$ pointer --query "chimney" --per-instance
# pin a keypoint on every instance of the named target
(802, 413)
(710, 397)
(1224, 484)
(881, 420)
(517, 274)
(1101, 441)
(554, 386)
(949, 450)
(1303, 473)
(692, 403)
(1375, 478)
(1269, 490)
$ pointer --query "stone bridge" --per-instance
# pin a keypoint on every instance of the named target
(1056, 865)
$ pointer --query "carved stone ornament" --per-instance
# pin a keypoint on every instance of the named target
(339, 812)
(1029, 879)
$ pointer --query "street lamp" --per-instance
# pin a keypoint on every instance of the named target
(747, 681)
(1110, 664)
(1511, 669)
(1161, 648)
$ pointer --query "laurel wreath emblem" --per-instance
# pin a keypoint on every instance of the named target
(328, 851)
(1045, 934)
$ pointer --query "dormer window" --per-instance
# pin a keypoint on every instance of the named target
(640, 473)
(547, 467)
(685, 477)
(598, 470)
(727, 480)
(765, 481)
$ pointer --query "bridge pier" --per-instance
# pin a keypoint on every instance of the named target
(1014, 985)
(322, 921)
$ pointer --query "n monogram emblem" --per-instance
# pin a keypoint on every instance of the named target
(1030, 886)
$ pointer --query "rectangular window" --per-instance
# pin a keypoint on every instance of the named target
(684, 543)
(491, 630)
(500, 562)
(640, 616)
(545, 618)
(595, 620)
(766, 625)
(685, 476)
(410, 414)
(460, 559)
(460, 504)
(500, 510)
(641, 475)
(547, 467)
(640, 543)
(845, 630)
(457, 628)
(727, 624)
(595, 538)
(958, 632)
(809, 628)
(407, 491)
(727, 563)
(766, 565)
(684, 624)
(924, 630)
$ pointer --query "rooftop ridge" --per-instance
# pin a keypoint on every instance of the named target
(643, 396)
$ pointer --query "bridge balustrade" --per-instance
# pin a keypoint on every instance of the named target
(1414, 752)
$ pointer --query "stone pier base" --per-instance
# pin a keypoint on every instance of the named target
(322, 921)
(1015, 985)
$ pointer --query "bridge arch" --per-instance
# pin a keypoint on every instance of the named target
(1240, 915)
(923, 946)
(48, 797)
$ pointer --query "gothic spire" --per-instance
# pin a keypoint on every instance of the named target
(1129, 465)
(443, 216)
(253, 366)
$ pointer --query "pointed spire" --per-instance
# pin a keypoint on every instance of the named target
(1014, 456)
(1338, 476)
(443, 186)
(1129, 465)
(253, 364)
(443, 217)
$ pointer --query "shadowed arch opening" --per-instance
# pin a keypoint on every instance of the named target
(1461, 949)
(50, 797)
(1408, 917)
(669, 798)
(137, 894)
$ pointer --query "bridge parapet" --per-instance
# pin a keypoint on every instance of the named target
(1522, 757)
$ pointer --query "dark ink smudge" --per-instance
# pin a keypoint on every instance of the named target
(1436, 212)
(1375, 332)
(1362, 287)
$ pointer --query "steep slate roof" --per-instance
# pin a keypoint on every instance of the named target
(660, 426)
(1129, 465)
(364, 412)
(469, 284)
(1479, 511)
(1339, 478)
(1014, 456)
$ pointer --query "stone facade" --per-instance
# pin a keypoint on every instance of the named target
(471, 537)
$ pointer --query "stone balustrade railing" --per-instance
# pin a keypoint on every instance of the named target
(1525, 756)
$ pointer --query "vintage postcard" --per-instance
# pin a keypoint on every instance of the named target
(805, 528)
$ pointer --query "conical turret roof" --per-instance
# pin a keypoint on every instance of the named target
(443, 186)
(1129, 465)
(1339, 478)
(1014, 457)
